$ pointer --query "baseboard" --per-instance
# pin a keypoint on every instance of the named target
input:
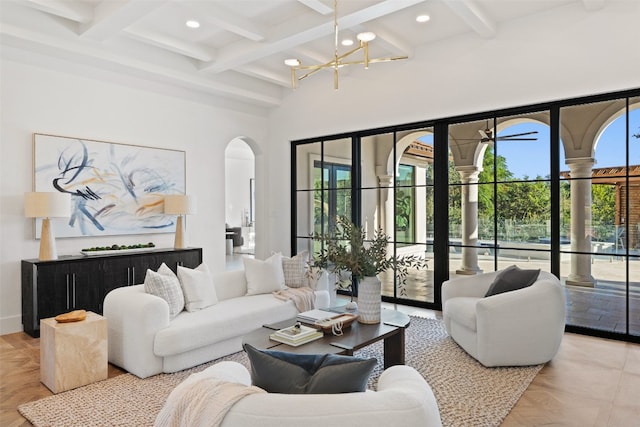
(10, 324)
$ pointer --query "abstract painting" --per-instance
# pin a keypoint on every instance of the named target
(115, 188)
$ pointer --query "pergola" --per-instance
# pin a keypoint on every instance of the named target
(617, 176)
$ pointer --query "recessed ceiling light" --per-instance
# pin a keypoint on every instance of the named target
(347, 42)
(192, 24)
(423, 18)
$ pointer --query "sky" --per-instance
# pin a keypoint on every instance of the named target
(529, 158)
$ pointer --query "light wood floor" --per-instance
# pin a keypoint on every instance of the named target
(591, 382)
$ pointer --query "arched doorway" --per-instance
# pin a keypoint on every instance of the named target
(240, 202)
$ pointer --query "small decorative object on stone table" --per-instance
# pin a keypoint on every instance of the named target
(72, 316)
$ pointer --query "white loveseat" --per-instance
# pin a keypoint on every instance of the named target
(403, 397)
(145, 341)
(516, 328)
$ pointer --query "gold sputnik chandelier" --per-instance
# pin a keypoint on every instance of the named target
(338, 60)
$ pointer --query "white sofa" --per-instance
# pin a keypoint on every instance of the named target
(403, 398)
(145, 341)
(516, 328)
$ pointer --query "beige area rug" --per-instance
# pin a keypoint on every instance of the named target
(468, 394)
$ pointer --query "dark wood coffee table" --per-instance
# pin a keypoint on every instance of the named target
(357, 336)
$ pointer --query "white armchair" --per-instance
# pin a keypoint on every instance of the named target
(516, 328)
(403, 397)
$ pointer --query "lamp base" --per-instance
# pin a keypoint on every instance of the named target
(180, 241)
(47, 242)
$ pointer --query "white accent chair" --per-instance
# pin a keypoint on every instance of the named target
(515, 328)
(403, 397)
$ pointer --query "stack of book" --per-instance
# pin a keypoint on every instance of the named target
(316, 316)
(296, 335)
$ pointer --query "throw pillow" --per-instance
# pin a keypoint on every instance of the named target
(264, 276)
(294, 269)
(312, 275)
(280, 372)
(511, 279)
(197, 286)
(165, 284)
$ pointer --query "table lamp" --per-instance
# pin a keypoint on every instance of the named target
(47, 205)
(180, 204)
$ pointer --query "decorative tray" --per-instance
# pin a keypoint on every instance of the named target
(327, 325)
(114, 251)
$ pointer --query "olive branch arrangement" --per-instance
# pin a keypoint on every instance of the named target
(347, 252)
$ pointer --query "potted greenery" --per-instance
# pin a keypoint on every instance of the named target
(347, 251)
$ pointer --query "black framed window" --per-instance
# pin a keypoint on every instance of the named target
(554, 186)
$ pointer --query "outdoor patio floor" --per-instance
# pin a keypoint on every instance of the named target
(603, 307)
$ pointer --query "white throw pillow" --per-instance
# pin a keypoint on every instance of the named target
(294, 269)
(165, 284)
(264, 276)
(198, 288)
(311, 276)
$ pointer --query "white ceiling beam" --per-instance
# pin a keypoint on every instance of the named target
(592, 5)
(318, 6)
(74, 11)
(111, 17)
(388, 40)
(236, 55)
(279, 78)
(41, 42)
(225, 19)
(473, 17)
(172, 44)
(309, 56)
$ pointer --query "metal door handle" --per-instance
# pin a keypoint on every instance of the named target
(67, 292)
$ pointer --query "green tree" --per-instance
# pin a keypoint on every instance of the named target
(603, 203)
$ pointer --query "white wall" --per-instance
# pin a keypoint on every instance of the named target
(565, 53)
(40, 100)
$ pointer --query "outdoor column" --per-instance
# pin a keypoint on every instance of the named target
(581, 222)
(469, 175)
(386, 222)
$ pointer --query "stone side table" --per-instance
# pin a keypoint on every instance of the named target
(73, 354)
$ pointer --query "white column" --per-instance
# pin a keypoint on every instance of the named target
(469, 175)
(385, 206)
(581, 222)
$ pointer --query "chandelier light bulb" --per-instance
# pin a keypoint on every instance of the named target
(292, 62)
(366, 36)
(339, 60)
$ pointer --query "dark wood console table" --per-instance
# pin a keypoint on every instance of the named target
(81, 282)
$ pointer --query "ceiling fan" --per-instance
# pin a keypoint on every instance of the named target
(486, 135)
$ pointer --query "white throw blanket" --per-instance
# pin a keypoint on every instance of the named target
(304, 298)
(201, 401)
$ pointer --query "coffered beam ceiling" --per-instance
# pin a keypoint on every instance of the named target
(239, 48)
